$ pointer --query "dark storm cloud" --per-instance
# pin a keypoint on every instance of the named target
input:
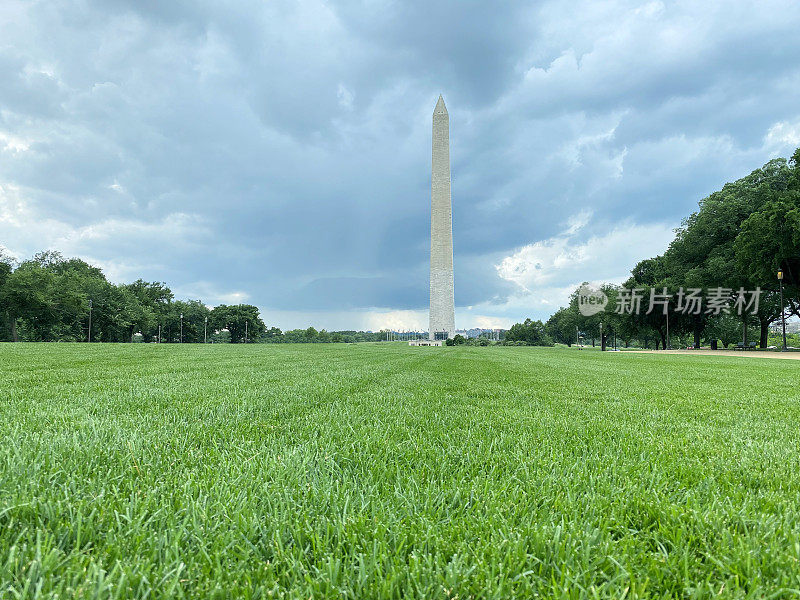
(280, 152)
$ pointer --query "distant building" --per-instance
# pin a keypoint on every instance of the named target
(791, 326)
(476, 332)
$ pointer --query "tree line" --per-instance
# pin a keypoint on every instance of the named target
(311, 335)
(49, 298)
(740, 238)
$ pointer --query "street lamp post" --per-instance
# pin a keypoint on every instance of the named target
(181, 328)
(783, 311)
(89, 339)
(205, 332)
(245, 332)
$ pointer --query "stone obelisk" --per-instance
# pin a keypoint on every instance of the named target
(442, 316)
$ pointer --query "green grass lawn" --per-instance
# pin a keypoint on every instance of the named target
(367, 471)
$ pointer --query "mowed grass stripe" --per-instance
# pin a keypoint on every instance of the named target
(389, 471)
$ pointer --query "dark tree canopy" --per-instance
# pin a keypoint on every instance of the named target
(47, 298)
(738, 238)
(530, 333)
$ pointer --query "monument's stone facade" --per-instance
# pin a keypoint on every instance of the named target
(442, 315)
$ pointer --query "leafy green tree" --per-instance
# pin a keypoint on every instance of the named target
(222, 336)
(154, 298)
(6, 268)
(194, 315)
(770, 240)
(591, 326)
(28, 298)
(562, 326)
(738, 238)
(647, 275)
(237, 319)
(114, 311)
(727, 328)
(47, 298)
(296, 336)
(531, 333)
(273, 335)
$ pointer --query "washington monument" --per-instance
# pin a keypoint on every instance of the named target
(442, 316)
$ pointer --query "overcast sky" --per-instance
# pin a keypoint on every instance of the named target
(278, 153)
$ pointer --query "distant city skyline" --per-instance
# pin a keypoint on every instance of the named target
(278, 154)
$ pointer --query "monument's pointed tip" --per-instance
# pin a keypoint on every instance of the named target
(440, 107)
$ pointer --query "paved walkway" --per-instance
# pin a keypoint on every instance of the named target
(737, 353)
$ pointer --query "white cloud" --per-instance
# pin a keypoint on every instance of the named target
(573, 150)
(119, 270)
(578, 221)
(546, 268)
(175, 228)
(24, 230)
(118, 245)
(365, 320)
(782, 137)
(13, 144)
(345, 97)
(211, 294)
(484, 322)
(396, 320)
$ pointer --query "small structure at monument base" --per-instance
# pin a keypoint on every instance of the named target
(425, 342)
